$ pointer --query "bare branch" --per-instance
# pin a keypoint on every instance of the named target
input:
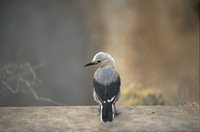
(35, 94)
(33, 69)
(9, 87)
(16, 74)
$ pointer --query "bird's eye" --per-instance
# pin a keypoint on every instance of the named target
(98, 61)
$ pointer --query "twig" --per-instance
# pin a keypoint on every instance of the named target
(33, 68)
(35, 94)
(19, 77)
(9, 87)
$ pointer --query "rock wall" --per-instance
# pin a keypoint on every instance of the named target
(86, 118)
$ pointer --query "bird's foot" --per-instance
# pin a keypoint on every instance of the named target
(117, 113)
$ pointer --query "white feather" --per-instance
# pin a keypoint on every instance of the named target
(110, 100)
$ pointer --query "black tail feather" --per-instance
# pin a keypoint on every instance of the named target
(107, 112)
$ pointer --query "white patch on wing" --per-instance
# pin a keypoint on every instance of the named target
(96, 98)
(113, 111)
(110, 100)
(101, 113)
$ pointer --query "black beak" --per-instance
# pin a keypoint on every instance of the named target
(91, 63)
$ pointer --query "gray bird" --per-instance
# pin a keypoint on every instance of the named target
(106, 84)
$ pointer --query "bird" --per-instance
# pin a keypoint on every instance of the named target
(106, 83)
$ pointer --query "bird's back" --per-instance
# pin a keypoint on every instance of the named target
(106, 75)
(106, 83)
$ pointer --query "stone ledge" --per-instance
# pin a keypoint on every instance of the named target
(86, 118)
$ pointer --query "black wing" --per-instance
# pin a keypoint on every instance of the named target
(105, 93)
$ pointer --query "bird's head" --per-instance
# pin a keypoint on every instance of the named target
(102, 59)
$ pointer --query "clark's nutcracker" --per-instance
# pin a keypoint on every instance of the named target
(106, 84)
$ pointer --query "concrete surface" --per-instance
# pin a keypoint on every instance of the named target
(86, 118)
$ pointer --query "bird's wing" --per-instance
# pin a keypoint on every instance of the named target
(108, 92)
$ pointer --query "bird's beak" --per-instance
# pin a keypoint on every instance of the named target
(91, 63)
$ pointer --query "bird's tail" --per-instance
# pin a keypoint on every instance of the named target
(107, 112)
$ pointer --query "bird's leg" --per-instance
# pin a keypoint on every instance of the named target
(116, 112)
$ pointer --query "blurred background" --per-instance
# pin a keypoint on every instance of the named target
(45, 43)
